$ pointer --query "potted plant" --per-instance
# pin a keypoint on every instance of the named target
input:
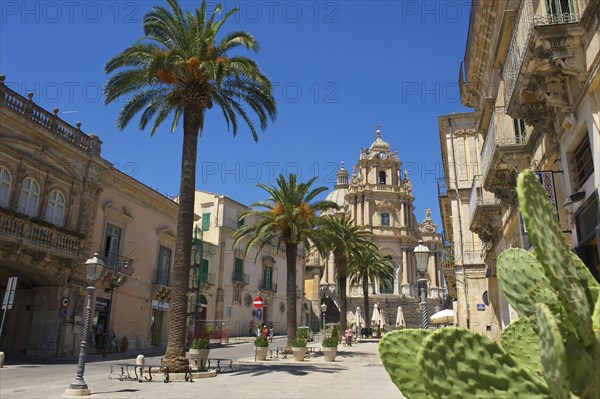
(199, 350)
(329, 347)
(299, 344)
(123, 344)
(261, 345)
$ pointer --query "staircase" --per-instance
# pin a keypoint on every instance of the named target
(388, 305)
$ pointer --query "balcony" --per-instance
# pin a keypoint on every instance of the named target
(267, 286)
(14, 102)
(207, 279)
(504, 154)
(117, 263)
(484, 211)
(240, 278)
(545, 50)
(39, 234)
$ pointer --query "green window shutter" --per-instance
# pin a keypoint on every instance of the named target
(239, 269)
(205, 221)
(240, 223)
(203, 270)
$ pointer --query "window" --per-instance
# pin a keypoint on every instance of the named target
(205, 221)
(237, 295)
(55, 209)
(559, 11)
(203, 271)
(268, 278)
(5, 183)
(582, 163)
(382, 178)
(164, 265)
(520, 131)
(240, 223)
(111, 244)
(385, 219)
(30, 195)
(238, 274)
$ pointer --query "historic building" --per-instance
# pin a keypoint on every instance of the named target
(378, 197)
(61, 202)
(530, 73)
(229, 281)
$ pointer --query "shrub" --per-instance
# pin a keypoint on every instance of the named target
(301, 338)
(261, 342)
(330, 341)
(200, 343)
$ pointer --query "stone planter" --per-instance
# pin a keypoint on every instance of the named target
(299, 353)
(261, 352)
(329, 353)
(197, 358)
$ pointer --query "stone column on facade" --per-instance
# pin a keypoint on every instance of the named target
(362, 210)
(396, 278)
(432, 283)
(368, 218)
(402, 219)
(404, 279)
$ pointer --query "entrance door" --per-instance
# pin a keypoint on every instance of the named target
(157, 326)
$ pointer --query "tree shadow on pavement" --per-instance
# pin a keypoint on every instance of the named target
(293, 370)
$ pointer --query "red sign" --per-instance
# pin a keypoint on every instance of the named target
(258, 302)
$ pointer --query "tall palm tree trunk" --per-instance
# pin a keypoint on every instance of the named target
(291, 251)
(342, 268)
(175, 353)
(365, 287)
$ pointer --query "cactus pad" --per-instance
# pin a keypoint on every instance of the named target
(522, 343)
(553, 253)
(462, 364)
(523, 282)
(397, 350)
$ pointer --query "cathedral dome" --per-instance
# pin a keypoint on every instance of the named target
(341, 187)
(379, 144)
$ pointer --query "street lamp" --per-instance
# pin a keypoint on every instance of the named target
(94, 267)
(422, 256)
(115, 282)
(323, 311)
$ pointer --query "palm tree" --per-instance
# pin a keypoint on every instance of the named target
(368, 265)
(288, 218)
(180, 68)
(341, 237)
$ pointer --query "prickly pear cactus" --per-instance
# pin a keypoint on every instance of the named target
(397, 350)
(558, 301)
(463, 364)
(521, 342)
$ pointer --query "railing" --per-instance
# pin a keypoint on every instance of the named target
(240, 278)
(267, 285)
(500, 133)
(22, 228)
(479, 197)
(531, 13)
(207, 278)
(19, 104)
(118, 263)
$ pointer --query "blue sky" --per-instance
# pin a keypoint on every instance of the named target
(339, 68)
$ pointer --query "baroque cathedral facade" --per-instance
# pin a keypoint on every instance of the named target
(378, 196)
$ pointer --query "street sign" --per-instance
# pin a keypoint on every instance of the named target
(9, 295)
(480, 307)
(62, 313)
(259, 314)
(258, 302)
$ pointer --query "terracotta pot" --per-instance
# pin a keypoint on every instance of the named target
(261, 352)
(299, 353)
(329, 353)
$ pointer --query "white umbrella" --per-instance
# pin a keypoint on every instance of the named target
(359, 320)
(350, 317)
(376, 318)
(400, 318)
(443, 317)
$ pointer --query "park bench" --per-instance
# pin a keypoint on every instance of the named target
(312, 351)
(280, 351)
(218, 367)
(140, 370)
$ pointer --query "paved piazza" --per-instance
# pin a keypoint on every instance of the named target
(356, 373)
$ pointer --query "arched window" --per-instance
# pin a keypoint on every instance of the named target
(382, 178)
(29, 198)
(55, 210)
(5, 183)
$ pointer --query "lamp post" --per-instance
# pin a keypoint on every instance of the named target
(422, 256)
(323, 311)
(115, 281)
(94, 267)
